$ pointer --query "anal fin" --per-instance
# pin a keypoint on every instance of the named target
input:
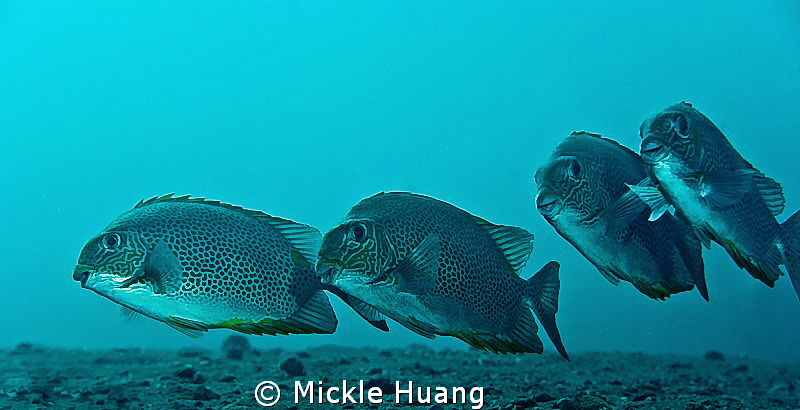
(128, 313)
(316, 316)
(522, 338)
(766, 270)
(421, 328)
(191, 328)
(610, 273)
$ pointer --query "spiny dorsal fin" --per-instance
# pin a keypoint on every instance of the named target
(613, 142)
(515, 243)
(304, 238)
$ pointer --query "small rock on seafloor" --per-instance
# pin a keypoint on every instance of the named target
(25, 348)
(544, 398)
(235, 346)
(583, 402)
(187, 372)
(386, 385)
(204, 393)
(293, 367)
(714, 356)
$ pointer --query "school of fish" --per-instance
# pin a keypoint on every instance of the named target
(438, 270)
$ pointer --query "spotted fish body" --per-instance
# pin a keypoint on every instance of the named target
(439, 270)
(197, 264)
(725, 198)
(583, 193)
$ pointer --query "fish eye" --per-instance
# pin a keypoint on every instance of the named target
(574, 169)
(681, 125)
(111, 240)
(358, 231)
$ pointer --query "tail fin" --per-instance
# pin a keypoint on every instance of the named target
(543, 290)
(791, 250)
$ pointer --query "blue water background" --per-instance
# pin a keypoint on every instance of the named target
(302, 108)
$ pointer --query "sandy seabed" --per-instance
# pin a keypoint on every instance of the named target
(38, 377)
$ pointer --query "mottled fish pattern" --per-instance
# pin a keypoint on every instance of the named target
(198, 264)
(726, 199)
(583, 193)
(440, 270)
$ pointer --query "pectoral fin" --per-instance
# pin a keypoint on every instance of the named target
(163, 269)
(369, 313)
(651, 196)
(418, 271)
(623, 211)
(724, 188)
(365, 310)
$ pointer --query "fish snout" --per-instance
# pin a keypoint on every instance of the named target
(326, 271)
(548, 205)
(327, 275)
(652, 150)
(81, 274)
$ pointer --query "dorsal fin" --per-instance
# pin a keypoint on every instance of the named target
(611, 141)
(304, 238)
(515, 243)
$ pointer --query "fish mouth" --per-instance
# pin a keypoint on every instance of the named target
(328, 271)
(653, 150)
(82, 272)
(100, 281)
(548, 205)
(328, 275)
(333, 275)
